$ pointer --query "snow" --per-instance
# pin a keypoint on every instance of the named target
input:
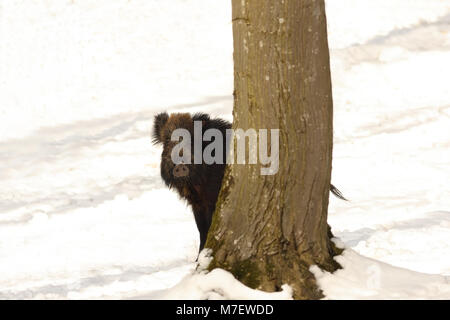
(216, 285)
(365, 278)
(83, 211)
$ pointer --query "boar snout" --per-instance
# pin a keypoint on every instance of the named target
(180, 170)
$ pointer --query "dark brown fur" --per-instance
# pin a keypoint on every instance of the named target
(201, 187)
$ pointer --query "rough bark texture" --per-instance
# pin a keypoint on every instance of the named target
(268, 230)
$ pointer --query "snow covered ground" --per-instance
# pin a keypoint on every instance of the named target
(83, 211)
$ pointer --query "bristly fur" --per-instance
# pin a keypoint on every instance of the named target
(337, 193)
(158, 123)
(200, 116)
(201, 187)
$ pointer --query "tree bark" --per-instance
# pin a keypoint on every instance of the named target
(269, 229)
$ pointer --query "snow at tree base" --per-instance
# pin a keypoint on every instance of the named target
(83, 210)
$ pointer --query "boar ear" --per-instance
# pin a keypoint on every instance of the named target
(158, 123)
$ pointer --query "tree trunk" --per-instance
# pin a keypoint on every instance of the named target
(269, 229)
